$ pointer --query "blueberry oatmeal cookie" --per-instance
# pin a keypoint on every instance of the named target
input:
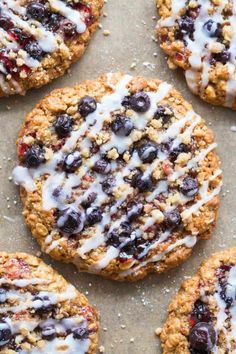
(118, 175)
(202, 316)
(41, 312)
(199, 36)
(40, 39)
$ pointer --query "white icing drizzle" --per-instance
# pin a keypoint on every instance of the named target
(21, 283)
(201, 45)
(47, 40)
(179, 131)
(24, 301)
(58, 345)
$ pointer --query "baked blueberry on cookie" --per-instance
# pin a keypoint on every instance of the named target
(40, 312)
(118, 175)
(40, 39)
(199, 36)
(201, 318)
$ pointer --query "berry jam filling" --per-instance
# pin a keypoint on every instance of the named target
(86, 13)
(200, 313)
(202, 338)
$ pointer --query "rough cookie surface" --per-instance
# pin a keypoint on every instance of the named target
(118, 176)
(40, 312)
(40, 39)
(199, 36)
(202, 317)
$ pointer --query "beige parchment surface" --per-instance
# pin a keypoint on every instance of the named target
(130, 313)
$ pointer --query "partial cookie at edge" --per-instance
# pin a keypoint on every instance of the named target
(169, 228)
(204, 300)
(48, 314)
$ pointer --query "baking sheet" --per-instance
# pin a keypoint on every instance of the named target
(130, 313)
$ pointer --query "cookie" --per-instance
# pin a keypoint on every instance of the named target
(41, 312)
(40, 39)
(202, 316)
(118, 176)
(199, 37)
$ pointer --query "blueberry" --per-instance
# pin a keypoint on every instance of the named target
(126, 101)
(186, 25)
(122, 126)
(113, 239)
(94, 215)
(181, 148)
(70, 221)
(72, 161)
(42, 304)
(63, 125)
(144, 184)
(140, 102)
(5, 333)
(102, 166)
(172, 219)
(86, 106)
(202, 337)
(80, 333)
(134, 210)
(89, 200)
(147, 152)
(201, 312)
(36, 10)
(3, 295)
(108, 185)
(34, 156)
(54, 21)
(212, 28)
(223, 57)
(164, 113)
(189, 186)
(48, 330)
(5, 23)
(34, 50)
(69, 28)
